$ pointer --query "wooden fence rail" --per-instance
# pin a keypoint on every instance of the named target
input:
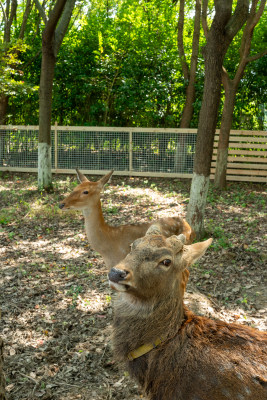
(131, 151)
(247, 156)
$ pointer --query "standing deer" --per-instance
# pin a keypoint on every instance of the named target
(172, 353)
(113, 242)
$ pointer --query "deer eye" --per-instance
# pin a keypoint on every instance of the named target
(85, 192)
(166, 262)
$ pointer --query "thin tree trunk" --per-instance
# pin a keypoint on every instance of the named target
(226, 123)
(205, 137)
(3, 108)
(45, 114)
(53, 34)
(190, 90)
(231, 87)
(190, 78)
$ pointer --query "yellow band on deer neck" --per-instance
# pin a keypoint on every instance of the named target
(145, 348)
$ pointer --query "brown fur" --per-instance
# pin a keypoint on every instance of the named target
(200, 359)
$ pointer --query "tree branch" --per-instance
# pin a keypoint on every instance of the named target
(9, 20)
(253, 19)
(180, 40)
(245, 47)
(257, 56)
(41, 11)
(204, 18)
(195, 44)
(237, 20)
(4, 13)
(63, 24)
(26, 14)
(225, 78)
(54, 17)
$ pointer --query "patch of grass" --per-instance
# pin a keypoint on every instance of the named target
(112, 210)
(221, 241)
(74, 293)
(83, 269)
(252, 249)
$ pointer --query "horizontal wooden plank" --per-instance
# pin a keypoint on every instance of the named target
(127, 129)
(259, 153)
(245, 145)
(243, 165)
(235, 132)
(243, 172)
(21, 127)
(253, 160)
(102, 172)
(64, 129)
(18, 169)
(128, 173)
(244, 178)
(244, 139)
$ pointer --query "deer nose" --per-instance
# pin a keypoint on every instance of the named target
(116, 275)
(61, 205)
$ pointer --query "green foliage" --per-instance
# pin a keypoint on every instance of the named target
(11, 83)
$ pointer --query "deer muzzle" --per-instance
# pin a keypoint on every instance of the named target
(117, 275)
(117, 279)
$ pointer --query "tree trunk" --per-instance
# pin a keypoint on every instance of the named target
(190, 77)
(2, 376)
(204, 144)
(226, 124)
(188, 107)
(45, 114)
(213, 54)
(223, 29)
(231, 87)
(3, 108)
(53, 34)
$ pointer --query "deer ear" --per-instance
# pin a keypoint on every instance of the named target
(153, 230)
(177, 242)
(194, 251)
(182, 238)
(81, 177)
(105, 178)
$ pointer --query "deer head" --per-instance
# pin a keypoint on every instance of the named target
(86, 193)
(154, 267)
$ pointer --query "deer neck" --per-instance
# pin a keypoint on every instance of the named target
(137, 326)
(95, 226)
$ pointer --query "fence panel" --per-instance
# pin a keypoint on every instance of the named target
(130, 151)
(247, 159)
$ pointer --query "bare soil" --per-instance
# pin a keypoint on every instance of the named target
(55, 300)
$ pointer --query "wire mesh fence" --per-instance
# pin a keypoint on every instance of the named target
(92, 150)
(131, 151)
(126, 150)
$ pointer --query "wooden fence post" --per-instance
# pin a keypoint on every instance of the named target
(55, 146)
(130, 151)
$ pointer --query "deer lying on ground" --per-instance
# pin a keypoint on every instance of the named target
(174, 354)
(113, 242)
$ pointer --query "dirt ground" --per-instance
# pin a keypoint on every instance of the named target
(55, 300)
